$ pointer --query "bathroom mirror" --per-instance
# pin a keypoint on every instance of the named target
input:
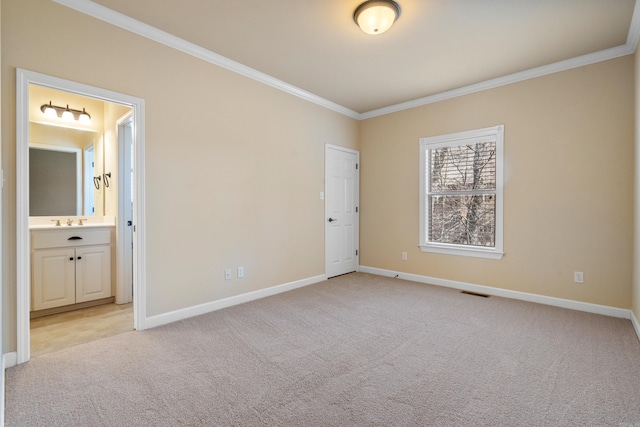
(66, 176)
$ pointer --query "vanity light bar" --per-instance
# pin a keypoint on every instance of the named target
(66, 113)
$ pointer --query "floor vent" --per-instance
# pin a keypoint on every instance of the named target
(475, 294)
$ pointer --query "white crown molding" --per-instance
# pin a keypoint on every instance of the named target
(633, 37)
(580, 61)
(127, 23)
(110, 16)
(504, 293)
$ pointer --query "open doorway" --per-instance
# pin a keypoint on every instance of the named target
(65, 263)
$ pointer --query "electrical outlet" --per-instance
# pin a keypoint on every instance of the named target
(240, 272)
(404, 256)
(578, 277)
(227, 274)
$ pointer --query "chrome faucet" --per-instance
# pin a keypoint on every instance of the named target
(69, 222)
(80, 221)
(57, 221)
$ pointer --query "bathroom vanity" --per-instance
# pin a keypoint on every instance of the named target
(71, 267)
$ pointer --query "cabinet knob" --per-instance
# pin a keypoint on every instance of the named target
(71, 259)
(79, 257)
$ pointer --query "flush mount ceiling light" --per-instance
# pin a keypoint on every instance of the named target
(66, 113)
(376, 16)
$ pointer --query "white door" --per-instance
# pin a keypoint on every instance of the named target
(124, 287)
(342, 199)
(128, 204)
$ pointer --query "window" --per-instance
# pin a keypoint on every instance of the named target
(461, 184)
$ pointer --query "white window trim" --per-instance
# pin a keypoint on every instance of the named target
(496, 134)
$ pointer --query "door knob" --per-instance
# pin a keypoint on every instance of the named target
(331, 219)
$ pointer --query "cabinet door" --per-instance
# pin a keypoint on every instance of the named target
(53, 278)
(93, 273)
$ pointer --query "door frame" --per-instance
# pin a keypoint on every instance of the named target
(24, 78)
(356, 229)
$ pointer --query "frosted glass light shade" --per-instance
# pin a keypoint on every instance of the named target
(50, 112)
(376, 16)
(67, 114)
(84, 117)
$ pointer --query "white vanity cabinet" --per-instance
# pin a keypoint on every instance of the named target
(70, 266)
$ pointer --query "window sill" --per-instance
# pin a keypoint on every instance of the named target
(474, 252)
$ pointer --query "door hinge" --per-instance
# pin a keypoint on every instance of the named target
(356, 209)
(356, 166)
(356, 252)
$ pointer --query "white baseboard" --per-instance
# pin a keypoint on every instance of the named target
(9, 360)
(2, 392)
(173, 316)
(505, 293)
(636, 324)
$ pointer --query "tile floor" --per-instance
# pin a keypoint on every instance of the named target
(63, 330)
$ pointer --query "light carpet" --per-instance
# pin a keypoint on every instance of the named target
(356, 350)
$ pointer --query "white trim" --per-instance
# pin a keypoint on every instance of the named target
(197, 310)
(23, 79)
(461, 250)
(504, 293)
(140, 28)
(635, 323)
(9, 360)
(568, 64)
(633, 36)
(129, 24)
(496, 134)
(2, 389)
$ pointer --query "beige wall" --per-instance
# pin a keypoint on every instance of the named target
(568, 191)
(234, 168)
(65, 137)
(636, 257)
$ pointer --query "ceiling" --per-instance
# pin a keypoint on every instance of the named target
(435, 47)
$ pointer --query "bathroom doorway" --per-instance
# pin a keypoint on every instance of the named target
(109, 157)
